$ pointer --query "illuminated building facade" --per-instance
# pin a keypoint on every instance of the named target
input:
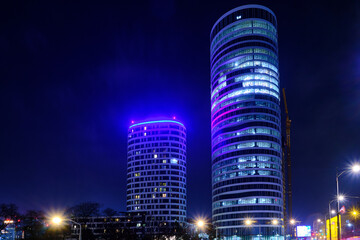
(156, 176)
(245, 114)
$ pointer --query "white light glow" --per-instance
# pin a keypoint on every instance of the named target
(356, 168)
(56, 220)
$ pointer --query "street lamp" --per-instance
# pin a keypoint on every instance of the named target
(341, 198)
(200, 223)
(355, 169)
(331, 211)
(275, 222)
(248, 222)
(58, 220)
(293, 223)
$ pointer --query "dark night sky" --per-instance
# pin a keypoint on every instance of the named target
(73, 76)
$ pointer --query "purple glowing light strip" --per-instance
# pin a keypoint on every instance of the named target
(159, 121)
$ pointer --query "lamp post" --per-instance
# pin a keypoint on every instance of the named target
(248, 222)
(356, 169)
(293, 223)
(200, 225)
(325, 226)
(331, 212)
(292, 230)
(275, 222)
(58, 221)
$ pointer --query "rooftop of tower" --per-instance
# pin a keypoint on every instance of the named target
(242, 7)
(156, 121)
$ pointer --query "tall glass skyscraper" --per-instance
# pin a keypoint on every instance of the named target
(245, 114)
(156, 176)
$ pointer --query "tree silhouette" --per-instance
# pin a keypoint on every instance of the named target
(109, 212)
(85, 210)
(8, 211)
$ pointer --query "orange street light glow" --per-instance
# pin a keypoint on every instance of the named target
(275, 222)
(56, 220)
(248, 222)
(200, 223)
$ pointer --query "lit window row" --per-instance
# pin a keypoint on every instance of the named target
(246, 166)
(242, 52)
(247, 145)
(247, 173)
(245, 92)
(232, 55)
(162, 150)
(247, 132)
(236, 63)
(251, 63)
(148, 185)
(160, 172)
(153, 190)
(260, 84)
(267, 71)
(248, 159)
(162, 155)
(249, 201)
(250, 77)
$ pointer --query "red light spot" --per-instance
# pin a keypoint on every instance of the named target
(174, 118)
(132, 121)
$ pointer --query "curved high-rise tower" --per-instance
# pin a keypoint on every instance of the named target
(156, 176)
(245, 114)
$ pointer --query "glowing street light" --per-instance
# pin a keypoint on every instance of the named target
(341, 198)
(248, 222)
(356, 168)
(200, 223)
(275, 222)
(292, 221)
(333, 211)
(58, 220)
